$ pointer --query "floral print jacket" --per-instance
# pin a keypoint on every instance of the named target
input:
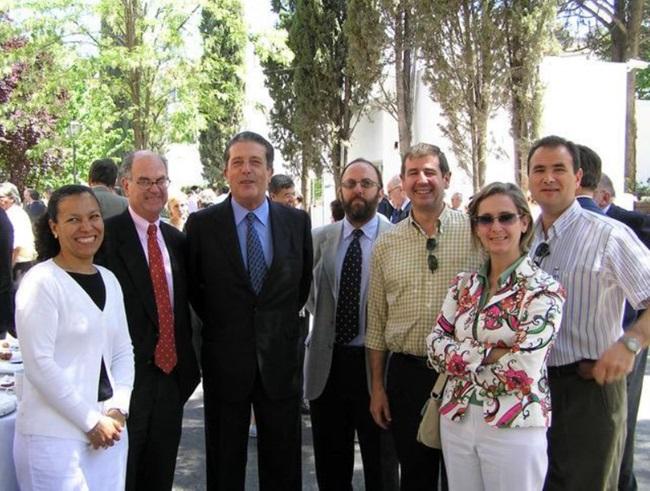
(524, 315)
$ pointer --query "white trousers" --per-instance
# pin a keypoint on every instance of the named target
(482, 457)
(46, 463)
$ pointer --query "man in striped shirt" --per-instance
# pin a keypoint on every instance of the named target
(600, 262)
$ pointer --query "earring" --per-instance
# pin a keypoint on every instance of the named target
(55, 236)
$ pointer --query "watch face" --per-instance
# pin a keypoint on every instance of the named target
(632, 344)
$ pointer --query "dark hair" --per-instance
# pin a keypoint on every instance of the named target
(46, 245)
(129, 158)
(103, 171)
(553, 141)
(420, 150)
(367, 162)
(519, 200)
(250, 136)
(336, 208)
(591, 165)
(279, 182)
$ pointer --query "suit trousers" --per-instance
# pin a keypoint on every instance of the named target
(278, 440)
(342, 409)
(627, 480)
(482, 457)
(585, 440)
(155, 423)
(408, 386)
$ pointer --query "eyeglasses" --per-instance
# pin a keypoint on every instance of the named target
(503, 219)
(144, 183)
(541, 252)
(365, 183)
(431, 259)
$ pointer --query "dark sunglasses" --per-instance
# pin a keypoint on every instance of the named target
(431, 259)
(503, 219)
(541, 251)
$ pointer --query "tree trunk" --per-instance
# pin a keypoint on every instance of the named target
(403, 76)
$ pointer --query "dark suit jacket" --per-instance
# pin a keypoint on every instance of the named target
(589, 204)
(243, 332)
(6, 283)
(403, 213)
(638, 222)
(385, 208)
(122, 253)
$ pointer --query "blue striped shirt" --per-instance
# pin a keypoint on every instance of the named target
(600, 262)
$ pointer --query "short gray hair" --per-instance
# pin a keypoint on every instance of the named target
(127, 161)
(10, 190)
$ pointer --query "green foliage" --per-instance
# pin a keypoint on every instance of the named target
(221, 85)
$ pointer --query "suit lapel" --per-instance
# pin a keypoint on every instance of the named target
(330, 246)
(174, 260)
(130, 250)
(226, 233)
(280, 234)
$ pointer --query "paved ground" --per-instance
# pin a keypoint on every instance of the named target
(190, 469)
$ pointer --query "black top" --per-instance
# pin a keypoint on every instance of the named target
(93, 285)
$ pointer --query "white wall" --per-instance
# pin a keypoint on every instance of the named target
(643, 140)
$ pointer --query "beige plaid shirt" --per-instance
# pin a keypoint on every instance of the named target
(404, 296)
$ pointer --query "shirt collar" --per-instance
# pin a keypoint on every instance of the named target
(443, 219)
(141, 224)
(606, 209)
(484, 271)
(261, 212)
(561, 224)
(369, 229)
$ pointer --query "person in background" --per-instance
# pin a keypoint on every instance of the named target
(177, 209)
(298, 202)
(147, 256)
(399, 200)
(337, 211)
(223, 194)
(491, 338)
(24, 253)
(282, 190)
(457, 201)
(590, 164)
(77, 354)
(102, 177)
(640, 224)
(34, 207)
(206, 197)
(6, 284)
(600, 262)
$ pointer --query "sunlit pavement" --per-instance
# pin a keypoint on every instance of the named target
(190, 467)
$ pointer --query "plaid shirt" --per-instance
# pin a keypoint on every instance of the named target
(404, 296)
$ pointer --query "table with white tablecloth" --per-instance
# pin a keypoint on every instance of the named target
(7, 471)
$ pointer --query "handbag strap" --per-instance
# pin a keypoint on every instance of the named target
(436, 392)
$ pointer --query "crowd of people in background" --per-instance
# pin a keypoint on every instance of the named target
(127, 294)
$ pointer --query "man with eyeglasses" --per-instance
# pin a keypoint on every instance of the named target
(399, 200)
(336, 372)
(147, 256)
(600, 262)
(412, 267)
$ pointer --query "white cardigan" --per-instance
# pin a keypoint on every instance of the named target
(63, 336)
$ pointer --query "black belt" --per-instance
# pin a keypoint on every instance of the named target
(345, 350)
(421, 361)
(573, 369)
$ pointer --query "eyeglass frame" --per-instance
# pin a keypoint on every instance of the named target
(503, 219)
(145, 183)
(366, 183)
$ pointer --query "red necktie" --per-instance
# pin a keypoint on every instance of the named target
(165, 354)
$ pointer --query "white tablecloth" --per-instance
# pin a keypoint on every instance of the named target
(7, 471)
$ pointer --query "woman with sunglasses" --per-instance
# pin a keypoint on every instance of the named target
(70, 429)
(492, 338)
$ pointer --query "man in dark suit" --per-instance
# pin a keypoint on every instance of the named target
(147, 256)
(640, 225)
(250, 264)
(398, 199)
(336, 372)
(591, 166)
(102, 177)
(6, 283)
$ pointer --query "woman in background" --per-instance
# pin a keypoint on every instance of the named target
(492, 339)
(77, 354)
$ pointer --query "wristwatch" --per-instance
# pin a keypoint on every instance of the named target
(631, 343)
(123, 413)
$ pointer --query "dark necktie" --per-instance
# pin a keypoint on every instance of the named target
(347, 307)
(255, 256)
(394, 218)
(165, 354)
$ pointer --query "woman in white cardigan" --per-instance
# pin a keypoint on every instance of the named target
(77, 353)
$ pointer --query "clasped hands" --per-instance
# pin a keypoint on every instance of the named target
(107, 430)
